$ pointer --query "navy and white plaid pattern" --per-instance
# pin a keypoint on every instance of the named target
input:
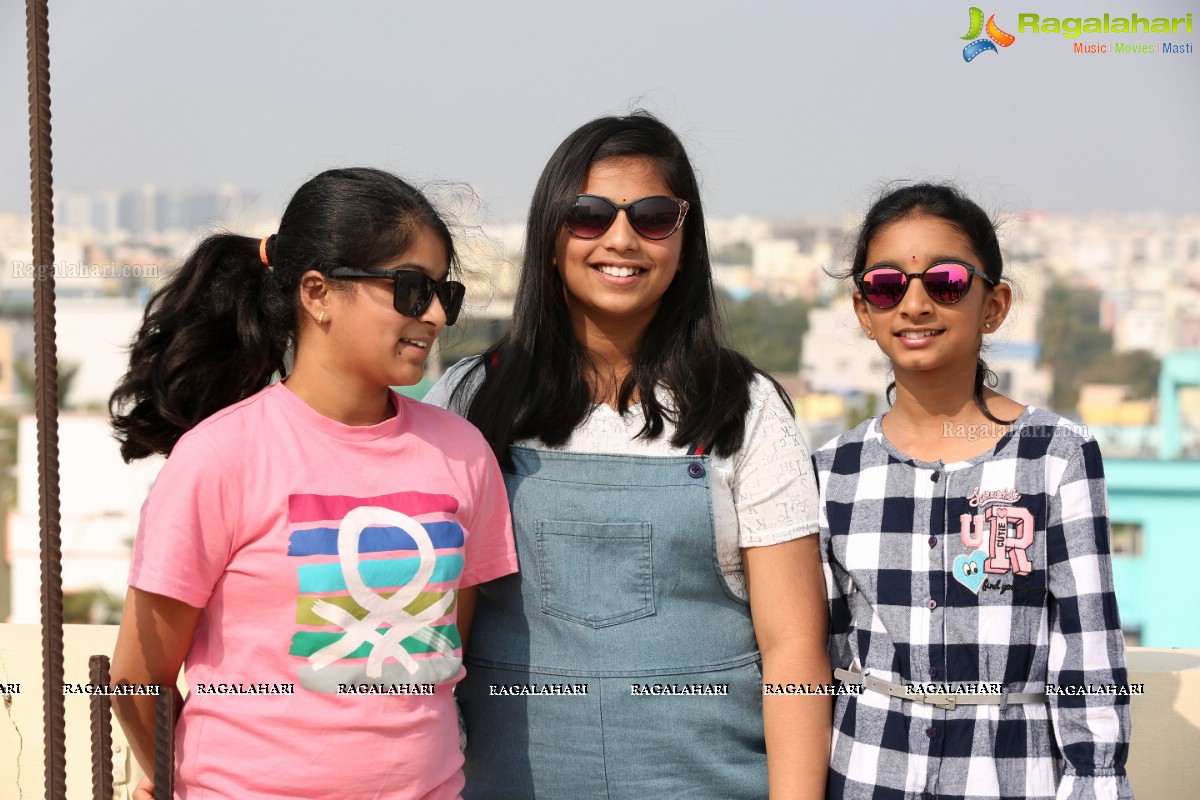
(993, 570)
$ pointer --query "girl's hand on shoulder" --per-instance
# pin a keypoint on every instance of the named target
(144, 790)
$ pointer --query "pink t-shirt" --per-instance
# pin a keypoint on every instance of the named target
(326, 559)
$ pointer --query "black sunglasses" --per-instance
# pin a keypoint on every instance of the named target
(654, 217)
(946, 282)
(413, 291)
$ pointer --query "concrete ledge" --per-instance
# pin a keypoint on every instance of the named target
(22, 733)
(1164, 753)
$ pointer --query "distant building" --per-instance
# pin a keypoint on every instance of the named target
(1109, 405)
(92, 334)
(1154, 505)
(101, 499)
(7, 362)
(1153, 508)
(1015, 365)
(148, 211)
(783, 268)
(137, 211)
(837, 358)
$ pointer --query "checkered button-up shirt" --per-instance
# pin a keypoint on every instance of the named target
(991, 571)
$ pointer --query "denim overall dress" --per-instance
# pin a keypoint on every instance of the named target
(619, 590)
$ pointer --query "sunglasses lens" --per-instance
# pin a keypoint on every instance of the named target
(883, 288)
(590, 217)
(947, 283)
(655, 217)
(413, 293)
(451, 293)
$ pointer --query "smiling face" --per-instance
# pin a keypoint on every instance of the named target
(618, 278)
(375, 345)
(918, 334)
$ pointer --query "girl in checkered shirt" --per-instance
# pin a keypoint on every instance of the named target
(965, 539)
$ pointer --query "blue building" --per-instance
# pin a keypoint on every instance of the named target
(1154, 508)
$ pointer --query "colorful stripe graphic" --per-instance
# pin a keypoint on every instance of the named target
(306, 616)
(323, 541)
(380, 573)
(305, 643)
(364, 630)
(315, 507)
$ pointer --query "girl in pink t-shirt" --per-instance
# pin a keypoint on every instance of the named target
(310, 550)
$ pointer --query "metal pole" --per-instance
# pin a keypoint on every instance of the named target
(102, 744)
(46, 370)
(164, 743)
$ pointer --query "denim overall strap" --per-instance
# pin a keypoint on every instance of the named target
(619, 590)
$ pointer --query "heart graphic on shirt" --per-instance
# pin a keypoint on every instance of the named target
(968, 570)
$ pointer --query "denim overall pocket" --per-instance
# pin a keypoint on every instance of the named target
(595, 574)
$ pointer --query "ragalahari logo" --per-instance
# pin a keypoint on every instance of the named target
(994, 34)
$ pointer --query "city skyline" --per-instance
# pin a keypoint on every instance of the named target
(787, 110)
(197, 208)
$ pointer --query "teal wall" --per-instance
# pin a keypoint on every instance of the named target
(1157, 591)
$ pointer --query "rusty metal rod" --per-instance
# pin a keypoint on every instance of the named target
(164, 743)
(102, 743)
(46, 371)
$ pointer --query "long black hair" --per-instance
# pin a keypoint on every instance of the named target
(945, 202)
(535, 382)
(219, 329)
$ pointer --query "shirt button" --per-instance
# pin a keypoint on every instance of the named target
(934, 477)
(933, 672)
(932, 605)
(933, 541)
(931, 732)
(695, 470)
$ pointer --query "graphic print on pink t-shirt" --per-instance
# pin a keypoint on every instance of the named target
(376, 588)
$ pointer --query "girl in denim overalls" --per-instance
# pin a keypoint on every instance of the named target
(663, 502)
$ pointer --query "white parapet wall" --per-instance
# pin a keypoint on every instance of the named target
(1163, 761)
(22, 736)
(1164, 753)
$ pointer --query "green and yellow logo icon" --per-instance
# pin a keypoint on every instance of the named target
(995, 36)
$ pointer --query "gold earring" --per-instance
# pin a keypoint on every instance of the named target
(320, 317)
(871, 335)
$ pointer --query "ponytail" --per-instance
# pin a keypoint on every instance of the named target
(211, 337)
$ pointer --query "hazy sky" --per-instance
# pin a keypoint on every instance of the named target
(788, 108)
